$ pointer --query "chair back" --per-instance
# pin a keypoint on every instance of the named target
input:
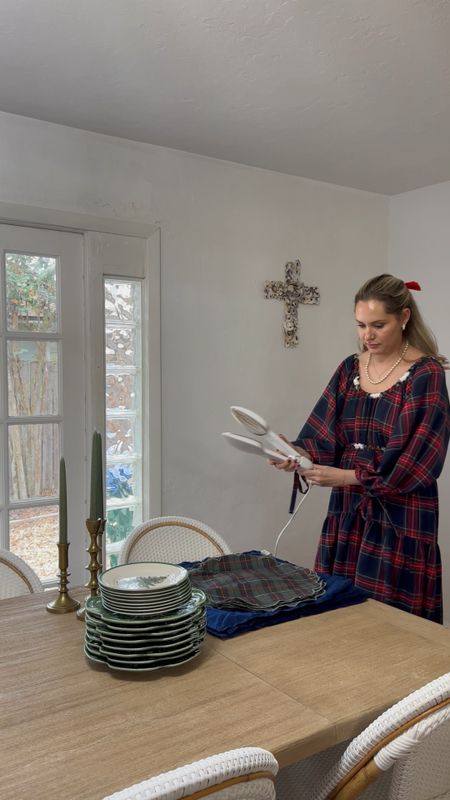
(420, 759)
(246, 773)
(402, 755)
(172, 539)
(16, 576)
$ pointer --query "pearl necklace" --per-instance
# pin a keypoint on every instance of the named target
(386, 374)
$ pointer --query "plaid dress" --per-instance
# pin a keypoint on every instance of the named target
(383, 533)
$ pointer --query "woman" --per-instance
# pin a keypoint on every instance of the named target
(378, 436)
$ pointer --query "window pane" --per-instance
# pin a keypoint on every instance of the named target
(120, 391)
(33, 537)
(120, 436)
(30, 292)
(32, 378)
(122, 300)
(119, 523)
(120, 346)
(120, 481)
(33, 461)
(123, 316)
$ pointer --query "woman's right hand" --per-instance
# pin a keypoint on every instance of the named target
(286, 466)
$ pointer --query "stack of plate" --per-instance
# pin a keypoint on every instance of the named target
(152, 632)
(147, 587)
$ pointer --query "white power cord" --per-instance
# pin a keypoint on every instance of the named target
(302, 499)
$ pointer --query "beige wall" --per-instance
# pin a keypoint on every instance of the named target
(419, 249)
(225, 230)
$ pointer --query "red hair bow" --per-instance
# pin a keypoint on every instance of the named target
(413, 285)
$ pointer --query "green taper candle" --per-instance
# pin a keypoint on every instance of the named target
(94, 471)
(100, 511)
(96, 509)
(62, 502)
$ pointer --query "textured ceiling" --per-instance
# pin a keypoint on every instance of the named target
(353, 92)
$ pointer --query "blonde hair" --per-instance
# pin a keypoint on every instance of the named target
(396, 296)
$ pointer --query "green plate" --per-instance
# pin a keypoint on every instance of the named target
(95, 609)
(133, 667)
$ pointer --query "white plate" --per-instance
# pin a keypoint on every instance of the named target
(150, 605)
(132, 608)
(144, 596)
(154, 606)
(144, 613)
(144, 576)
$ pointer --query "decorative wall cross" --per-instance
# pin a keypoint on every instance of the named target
(293, 292)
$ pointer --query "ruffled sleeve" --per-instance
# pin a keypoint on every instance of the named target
(416, 450)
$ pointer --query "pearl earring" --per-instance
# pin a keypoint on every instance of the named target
(403, 326)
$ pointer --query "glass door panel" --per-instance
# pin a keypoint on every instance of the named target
(31, 292)
(33, 534)
(33, 378)
(41, 397)
(123, 396)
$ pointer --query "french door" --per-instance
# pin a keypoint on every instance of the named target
(42, 393)
(80, 351)
(122, 275)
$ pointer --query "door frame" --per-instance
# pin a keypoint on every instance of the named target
(73, 222)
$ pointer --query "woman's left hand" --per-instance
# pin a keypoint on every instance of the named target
(329, 476)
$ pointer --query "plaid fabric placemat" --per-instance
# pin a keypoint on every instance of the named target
(254, 581)
(340, 592)
(227, 623)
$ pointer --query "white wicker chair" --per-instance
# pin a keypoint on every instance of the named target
(16, 577)
(403, 755)
(244, 774)
(172, 539)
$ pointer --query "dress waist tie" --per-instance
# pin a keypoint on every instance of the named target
(366, 508)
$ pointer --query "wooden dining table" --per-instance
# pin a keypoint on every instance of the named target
(76, 731)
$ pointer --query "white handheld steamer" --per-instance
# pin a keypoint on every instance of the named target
(269, 440)
(269, 445)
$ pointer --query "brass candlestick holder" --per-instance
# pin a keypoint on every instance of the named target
(95, 529)
(64, 602)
